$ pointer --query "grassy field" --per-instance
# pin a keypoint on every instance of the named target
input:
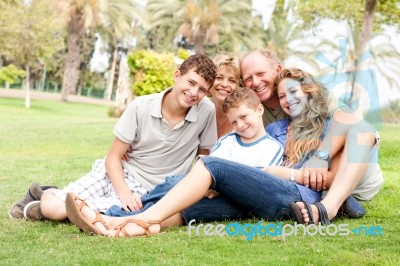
(54, 143)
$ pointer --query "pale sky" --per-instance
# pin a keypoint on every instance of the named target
(265, 7)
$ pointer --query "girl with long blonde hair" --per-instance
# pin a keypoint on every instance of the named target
(305, 100)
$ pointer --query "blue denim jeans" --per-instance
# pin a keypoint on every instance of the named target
(150, 198)
(207, 210)
(215, 209)
(246, 189)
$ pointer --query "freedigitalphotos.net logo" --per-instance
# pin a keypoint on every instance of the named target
(354, 83)
(249, 231)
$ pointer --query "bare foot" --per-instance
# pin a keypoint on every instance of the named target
(304, 212)
(132, 227)
(99, 221)
(328, 213)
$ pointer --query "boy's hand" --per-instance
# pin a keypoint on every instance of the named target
(211, 194)
(132, 202)
(126, 156)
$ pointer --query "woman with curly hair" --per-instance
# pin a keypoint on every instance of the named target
(273, 193)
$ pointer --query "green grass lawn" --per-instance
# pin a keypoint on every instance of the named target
(54, 143)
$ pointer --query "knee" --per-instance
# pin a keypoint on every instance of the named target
(368, 138)
(365, 138)
(52, 207)
(362, 134)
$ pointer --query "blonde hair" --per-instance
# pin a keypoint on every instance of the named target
(232, 62)
(305, 132)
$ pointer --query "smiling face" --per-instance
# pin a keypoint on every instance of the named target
(189, 88)
(291, 97)
(225, 83)
(259, 74)
(247, 122)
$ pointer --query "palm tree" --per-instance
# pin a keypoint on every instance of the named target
(201, 22)
(117, 31)
(78, 16)
(380, 55)
(286, 37)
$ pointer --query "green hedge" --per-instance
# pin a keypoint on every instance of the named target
(152, 72)
(11, 74)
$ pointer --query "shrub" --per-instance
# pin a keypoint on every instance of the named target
(183, 54)
(152, 72)
(115, 111)
(10, 74)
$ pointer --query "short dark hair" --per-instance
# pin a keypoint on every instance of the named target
(202, 65)
(241, 96)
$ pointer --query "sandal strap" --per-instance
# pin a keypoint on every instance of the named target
(97, 219)
(323, 214)
(81, 205)
(145, 225)
(310, 213)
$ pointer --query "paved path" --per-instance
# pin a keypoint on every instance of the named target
(19, 93)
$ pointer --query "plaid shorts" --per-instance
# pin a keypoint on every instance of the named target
(96, 188)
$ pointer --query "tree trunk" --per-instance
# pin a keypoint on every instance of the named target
(27, 87)
(368, 24)
(71, 70)
(112, 74)
(123, 93)
(200, 41)
(364, 39)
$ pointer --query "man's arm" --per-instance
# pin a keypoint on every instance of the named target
(130, 202)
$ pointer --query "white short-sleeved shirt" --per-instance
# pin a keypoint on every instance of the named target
(265, 151)
(157, 150)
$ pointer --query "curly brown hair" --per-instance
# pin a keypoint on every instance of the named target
(202, 65)
(241, 96)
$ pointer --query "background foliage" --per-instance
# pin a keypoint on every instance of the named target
(10, 74)
(152, 72)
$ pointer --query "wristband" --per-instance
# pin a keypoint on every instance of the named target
(292, 176)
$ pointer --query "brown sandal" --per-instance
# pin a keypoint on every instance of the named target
(75, 215)
(145, 225)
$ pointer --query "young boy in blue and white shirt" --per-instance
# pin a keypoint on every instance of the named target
(249, 143)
